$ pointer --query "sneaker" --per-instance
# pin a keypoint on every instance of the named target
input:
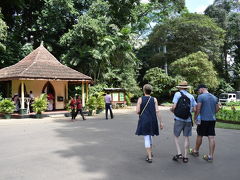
(193, 153)
(207, 158)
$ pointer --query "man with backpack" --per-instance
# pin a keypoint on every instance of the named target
(183, 104)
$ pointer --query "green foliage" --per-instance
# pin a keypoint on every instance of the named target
(224, 87)
(226, 14)
(92, 103)
(68, 107)
(101, 49)
(100, 101)
(229, 115)
(196, 69)
(161, 82)
(7, 106)
(232, 103)
(122, 78)
(12, 54)
(185, 35)
(94, 90)
(128, 98)
(3, 33)
(40, 104)
(26, 49)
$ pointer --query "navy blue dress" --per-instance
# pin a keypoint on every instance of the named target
(148, 123)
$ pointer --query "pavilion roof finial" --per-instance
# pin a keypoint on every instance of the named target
(41, 43)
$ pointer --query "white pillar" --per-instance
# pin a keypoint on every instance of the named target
(22, 95)
(83, 95)
(66, 89)
(87, 91)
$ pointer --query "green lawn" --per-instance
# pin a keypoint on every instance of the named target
(227, 126)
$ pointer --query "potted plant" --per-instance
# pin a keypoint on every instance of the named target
(39, 105)
(7, 108)
(68, 108)
(91, 105)
(100, 103)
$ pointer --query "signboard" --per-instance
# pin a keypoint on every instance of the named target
(115, 96)
(121, 96)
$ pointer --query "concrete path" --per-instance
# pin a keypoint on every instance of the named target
(57, 149)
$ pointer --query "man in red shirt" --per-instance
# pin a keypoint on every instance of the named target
(79, 107)
(73, 108)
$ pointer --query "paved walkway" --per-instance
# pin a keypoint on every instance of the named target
(57, 149)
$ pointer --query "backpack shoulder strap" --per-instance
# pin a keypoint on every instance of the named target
(184, 95)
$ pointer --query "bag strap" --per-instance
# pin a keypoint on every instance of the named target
(182, 93)
(145, 106)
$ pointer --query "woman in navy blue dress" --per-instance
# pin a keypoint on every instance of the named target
(147, 108)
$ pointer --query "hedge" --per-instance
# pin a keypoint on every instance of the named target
(229, 115)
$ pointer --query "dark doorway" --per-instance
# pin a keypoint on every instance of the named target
(49, 90)
(5, 89)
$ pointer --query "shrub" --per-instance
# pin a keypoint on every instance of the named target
(40, 104)
(229, 115)
(100, 104)
(232, 103)
(92, 103)
(67, 106)
(128, 100)
(7, 106)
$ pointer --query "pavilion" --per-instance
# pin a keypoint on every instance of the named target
(40, 72)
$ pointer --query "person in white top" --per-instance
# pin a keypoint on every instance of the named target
(108, 101)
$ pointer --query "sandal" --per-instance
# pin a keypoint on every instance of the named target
(185, 159)
(176, 157)
(207, 158)
(149, 160)
(193, 153)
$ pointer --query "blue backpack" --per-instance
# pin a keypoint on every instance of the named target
(183, 107)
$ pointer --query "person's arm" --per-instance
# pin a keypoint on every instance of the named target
(175, 100)
(158, 114)
(194, 105)
(173, 107)
(196, 113)
(138, 105)
(218, 107)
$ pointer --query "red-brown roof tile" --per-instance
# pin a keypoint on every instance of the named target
(41, 64)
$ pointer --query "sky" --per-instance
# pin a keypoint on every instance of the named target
(197, 6)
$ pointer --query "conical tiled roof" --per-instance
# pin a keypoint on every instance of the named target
(41, 64)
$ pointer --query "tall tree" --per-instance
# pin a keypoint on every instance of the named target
(196, 69)
(185, 35)
(98, 47)
(3, 33)
(225, 13)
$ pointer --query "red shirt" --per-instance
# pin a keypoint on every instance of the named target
(50, 97)
(79, 103)
(73, 104)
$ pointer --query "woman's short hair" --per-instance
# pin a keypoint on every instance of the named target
(147, 89)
